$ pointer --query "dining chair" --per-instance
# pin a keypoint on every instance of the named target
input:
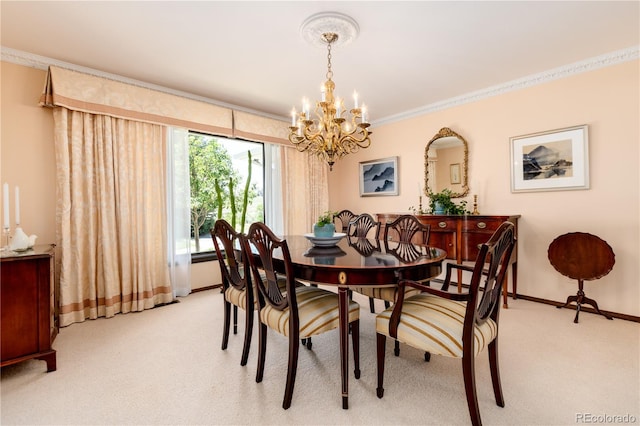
(295, 312)
(363, 226)
(405, 229)
(236, 283)
(452, 324)
(345, 217)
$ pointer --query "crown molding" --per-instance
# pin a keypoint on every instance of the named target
(602, 61)
(606, 60)
(42, 62)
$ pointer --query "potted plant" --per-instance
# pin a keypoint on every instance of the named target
(441, 203)
(324, 227)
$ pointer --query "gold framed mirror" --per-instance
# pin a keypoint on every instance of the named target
(446, 158)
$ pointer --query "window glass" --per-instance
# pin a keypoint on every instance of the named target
(226, 181)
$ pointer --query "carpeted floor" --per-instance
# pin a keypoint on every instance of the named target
(165, 366)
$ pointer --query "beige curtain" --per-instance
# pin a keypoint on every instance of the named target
(305, 189)
(111, 215)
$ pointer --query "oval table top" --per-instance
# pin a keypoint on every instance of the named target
(364, 261)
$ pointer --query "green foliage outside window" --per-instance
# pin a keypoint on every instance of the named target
(217, 189)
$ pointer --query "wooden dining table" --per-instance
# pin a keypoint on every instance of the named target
(359, 262)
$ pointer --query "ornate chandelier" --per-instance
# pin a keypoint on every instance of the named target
(332, 132)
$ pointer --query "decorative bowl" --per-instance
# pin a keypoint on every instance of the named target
(325, 241)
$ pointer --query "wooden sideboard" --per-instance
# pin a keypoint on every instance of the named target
(461, 236)
(28, 300)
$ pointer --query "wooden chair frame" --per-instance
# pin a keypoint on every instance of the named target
(269, 293)
(345, 217)
(490, 267)
(235, 273)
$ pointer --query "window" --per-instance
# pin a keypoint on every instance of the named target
(227, 181)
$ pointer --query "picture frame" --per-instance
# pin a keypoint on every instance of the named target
(454, 173)
(555, 160)
(378, 177)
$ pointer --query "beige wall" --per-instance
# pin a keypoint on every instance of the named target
(27, 150)
(608, 100)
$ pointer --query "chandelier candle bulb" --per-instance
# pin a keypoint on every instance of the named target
(355, 100)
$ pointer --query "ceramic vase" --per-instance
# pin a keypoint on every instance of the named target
(324, 231)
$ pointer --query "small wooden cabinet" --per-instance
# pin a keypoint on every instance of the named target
(461, 236)
(27, 306)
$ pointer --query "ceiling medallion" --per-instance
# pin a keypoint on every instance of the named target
(321, 23)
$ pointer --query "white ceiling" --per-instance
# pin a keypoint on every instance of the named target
(408, 55)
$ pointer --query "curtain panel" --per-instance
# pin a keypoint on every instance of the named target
(111, 215)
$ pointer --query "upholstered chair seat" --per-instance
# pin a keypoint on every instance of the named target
(317, 313)
(435, 325)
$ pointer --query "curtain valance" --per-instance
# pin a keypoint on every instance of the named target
(97, 95)
(260, 129)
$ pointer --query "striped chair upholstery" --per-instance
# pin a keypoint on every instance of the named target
(459, 325)
(317, 312)
(435, 325)
(388, 294)
(297, 312)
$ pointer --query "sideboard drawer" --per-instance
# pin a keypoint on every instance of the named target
(484, 224)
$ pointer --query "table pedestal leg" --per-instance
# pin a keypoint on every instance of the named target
(343, 306)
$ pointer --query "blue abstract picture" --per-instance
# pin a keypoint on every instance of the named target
(379, 178)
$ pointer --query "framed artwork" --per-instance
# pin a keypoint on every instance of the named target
(379, 177)
(556, 160)
(454, 173)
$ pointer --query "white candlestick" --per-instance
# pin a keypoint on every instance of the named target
(17, 206)
(355, 99)
(6, 205)
(293, 117)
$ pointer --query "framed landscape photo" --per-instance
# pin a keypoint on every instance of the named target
(556, 160)
(379, 177)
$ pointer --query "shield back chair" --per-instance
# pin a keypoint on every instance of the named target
(296, 312)
(405, 229)
(344, 216)
(453, 324)
(236, 283)
(363, 226)
(581, 256)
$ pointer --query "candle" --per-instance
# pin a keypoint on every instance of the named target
(338, 102)
(17, 206)
(293, 117)
(364, 113)
(355, 99)
(6, 205)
